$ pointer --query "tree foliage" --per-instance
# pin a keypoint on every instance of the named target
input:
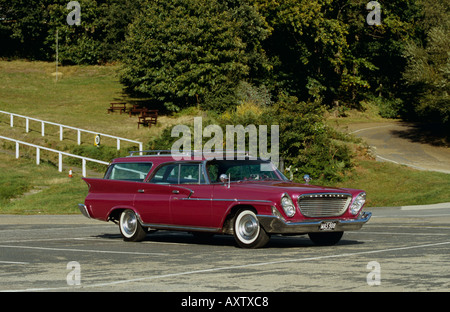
(185, 52)
(428, 67)
(179, 51)
(289, 59)
(28, 29)
(308, 47)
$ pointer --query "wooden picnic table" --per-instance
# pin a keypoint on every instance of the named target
(120, 106)
(148, 118)
(137, 110)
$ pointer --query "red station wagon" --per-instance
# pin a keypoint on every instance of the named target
(245, 197)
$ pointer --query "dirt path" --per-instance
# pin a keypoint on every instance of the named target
(401, 143)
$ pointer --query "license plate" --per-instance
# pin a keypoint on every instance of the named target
(327, 226)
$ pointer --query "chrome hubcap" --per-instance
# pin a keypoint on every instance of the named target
(248, 228)
(129, 223)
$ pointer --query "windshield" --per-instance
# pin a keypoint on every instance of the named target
(243, 170)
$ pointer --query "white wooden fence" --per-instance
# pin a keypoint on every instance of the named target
(62, 127)
(60, 154)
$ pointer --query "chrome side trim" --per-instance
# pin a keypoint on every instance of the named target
(231, 200)
(84, 211)
(274, 224)
(180, 227)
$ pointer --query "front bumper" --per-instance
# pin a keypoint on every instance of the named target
(276, 225)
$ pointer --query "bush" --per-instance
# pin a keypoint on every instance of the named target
(388, 107)
(305, 142)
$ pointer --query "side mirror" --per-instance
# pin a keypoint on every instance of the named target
(223, 178)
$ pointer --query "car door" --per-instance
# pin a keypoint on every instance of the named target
(152, 203)
(191, 205)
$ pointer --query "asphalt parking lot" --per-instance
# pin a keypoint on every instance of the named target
(400, 249)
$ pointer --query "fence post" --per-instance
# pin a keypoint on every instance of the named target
(84, 167)
(43, 128)
(79, 137)
(60, 133)
(118, 144)
(17, 150)
(27, 125)
(12, 120)
(38, 156)
(60, 162)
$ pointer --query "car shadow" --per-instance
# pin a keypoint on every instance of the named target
(276, 241)
(303, 241)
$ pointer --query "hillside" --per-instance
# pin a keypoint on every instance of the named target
(81, 97)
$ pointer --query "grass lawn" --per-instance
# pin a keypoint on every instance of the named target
(81, 97)
(389, 184)
(26, 188)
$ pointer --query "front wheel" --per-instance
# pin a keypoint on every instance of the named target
(325, 239)
(130, 228)
(247, 231)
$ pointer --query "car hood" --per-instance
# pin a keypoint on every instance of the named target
(289, 187)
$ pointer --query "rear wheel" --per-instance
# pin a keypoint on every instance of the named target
(247, 231)
(325, 239)
(130, 228)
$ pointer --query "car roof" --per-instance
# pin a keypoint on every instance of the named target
(161, 156)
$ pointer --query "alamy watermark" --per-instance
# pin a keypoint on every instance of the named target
(73, 278)
(74, 17)
(374, 276)
(190, 145)
(374, 16)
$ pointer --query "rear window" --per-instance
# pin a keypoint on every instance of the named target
(128, 171)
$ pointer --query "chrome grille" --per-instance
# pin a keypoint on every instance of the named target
(323, 204)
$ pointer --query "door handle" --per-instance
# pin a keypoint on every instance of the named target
(176, 192)
(140, 191)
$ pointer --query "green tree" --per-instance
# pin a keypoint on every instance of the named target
(179, 51)
(325, 50)
(98, 38)
(28, 29)
(308, 47)
(307, 143)
(378, 49)
(428, 68)
(23, 28)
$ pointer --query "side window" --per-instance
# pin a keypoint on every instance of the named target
(191, 174)
(179, 174)
(167, 174)
(172, 174)
(128, 171)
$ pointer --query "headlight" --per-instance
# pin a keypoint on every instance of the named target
(288, 205)
(358, 203)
